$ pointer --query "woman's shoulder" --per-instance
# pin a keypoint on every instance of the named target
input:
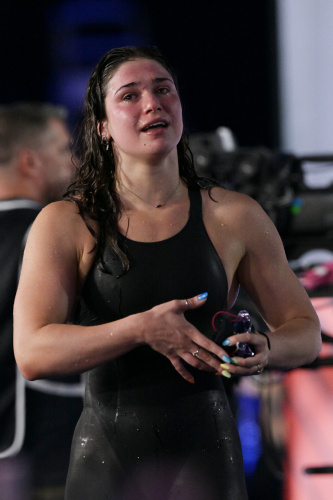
(64, 210)
(60, 208)
(241, 214)
(60, 228)
(219, 199)
(63, 217)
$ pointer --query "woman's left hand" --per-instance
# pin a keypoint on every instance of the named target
(253, 365)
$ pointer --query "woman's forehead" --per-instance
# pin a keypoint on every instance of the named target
(135, 70)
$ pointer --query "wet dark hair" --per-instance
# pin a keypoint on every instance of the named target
(94, 187)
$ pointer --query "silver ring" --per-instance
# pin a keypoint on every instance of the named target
(186, 303)
(259, 370)
(195, 353)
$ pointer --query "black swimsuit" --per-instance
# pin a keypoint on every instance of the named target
(145, 432)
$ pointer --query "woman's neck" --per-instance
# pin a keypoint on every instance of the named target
(151, 183)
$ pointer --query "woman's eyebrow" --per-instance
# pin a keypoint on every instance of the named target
(135, 84)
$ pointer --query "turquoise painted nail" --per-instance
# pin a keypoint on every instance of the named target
(226, 342)
(226, 359)
(203, 296)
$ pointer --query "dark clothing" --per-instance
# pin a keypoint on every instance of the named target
(16, 217)
(36, 422)
(145, 432)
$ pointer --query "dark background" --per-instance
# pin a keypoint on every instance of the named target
(224, 52)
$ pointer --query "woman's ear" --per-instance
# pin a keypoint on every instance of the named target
(104, 135)
(102, 130)
(99, 128)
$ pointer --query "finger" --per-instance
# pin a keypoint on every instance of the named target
(210, 348)
(179, 367)
(258, 369)
(198, 363)
(203, 360)
(194, 302)
(247, 366)
(248, 372)
(248, 338)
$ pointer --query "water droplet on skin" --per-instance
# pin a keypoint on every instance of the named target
(84, 441)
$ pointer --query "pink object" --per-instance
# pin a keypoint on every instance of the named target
(318, 276)
(308, 414)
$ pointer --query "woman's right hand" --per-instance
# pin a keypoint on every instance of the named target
(170, 334)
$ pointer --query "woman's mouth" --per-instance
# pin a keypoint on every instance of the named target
(155, 125)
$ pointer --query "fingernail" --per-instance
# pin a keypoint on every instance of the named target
(191, 380)
(226, 374)
(225, 367)
(234, 361)
(203, 296)
(226, 342)
(217, 373)
(226, 359)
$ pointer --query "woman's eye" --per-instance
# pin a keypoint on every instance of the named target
(129, 97)
(162, 90)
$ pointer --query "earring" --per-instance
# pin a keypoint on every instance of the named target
(106, 143)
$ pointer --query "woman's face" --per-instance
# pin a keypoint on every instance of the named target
(143, 111)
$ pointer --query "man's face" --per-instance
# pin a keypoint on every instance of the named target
(56, 167)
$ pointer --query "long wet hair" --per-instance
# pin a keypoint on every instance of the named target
(94, 186)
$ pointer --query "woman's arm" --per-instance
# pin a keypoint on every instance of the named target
(56, 261)
(278, 294)
(253, 254)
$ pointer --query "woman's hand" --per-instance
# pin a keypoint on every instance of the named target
(253, 365)
(169, 333)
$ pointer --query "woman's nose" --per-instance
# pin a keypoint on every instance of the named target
(151, 102)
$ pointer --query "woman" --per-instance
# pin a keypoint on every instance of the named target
(145, 253)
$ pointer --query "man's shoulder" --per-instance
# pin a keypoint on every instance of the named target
(9, 205)
(16, 216)
(18, 211)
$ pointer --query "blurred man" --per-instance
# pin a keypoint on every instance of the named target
(35, 169)
(35, 157)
